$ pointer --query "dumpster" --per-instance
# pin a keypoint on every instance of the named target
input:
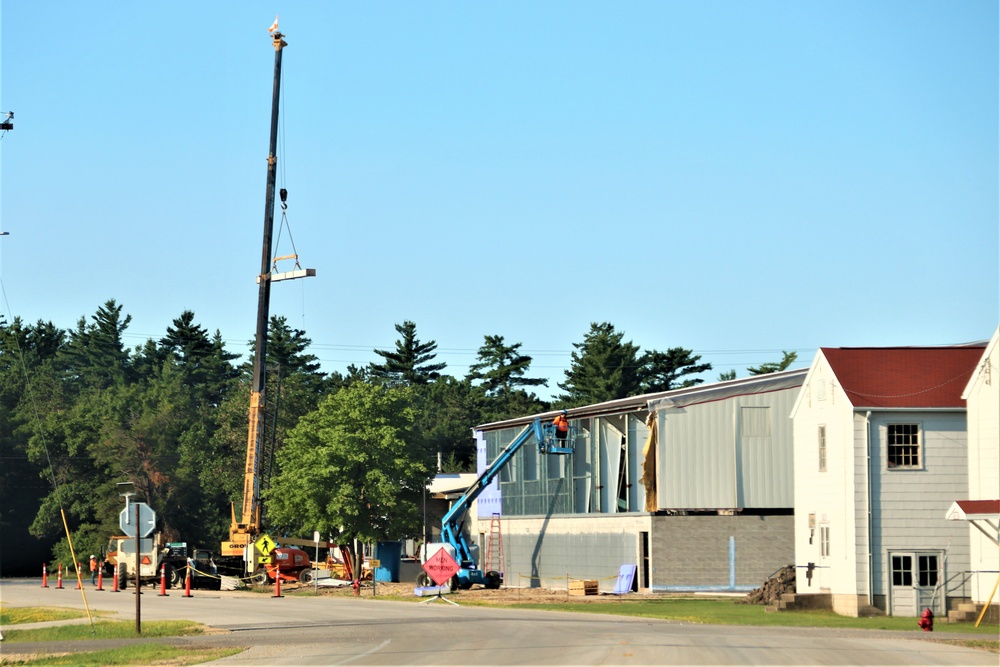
(388, 554)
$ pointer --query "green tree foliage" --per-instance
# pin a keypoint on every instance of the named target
(788, 358)
(95, 356)
(410, 364)
(727, 375)
(350, 465)
(500, 368)
(500, 373)
(446, 410)
(663, 371)
(603, 367)
(28, 379)
(204, 363)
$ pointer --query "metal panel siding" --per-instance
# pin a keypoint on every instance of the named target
(697, 468)
(766, 477)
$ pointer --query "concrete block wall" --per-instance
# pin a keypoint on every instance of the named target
(548, 552)
(693, 552)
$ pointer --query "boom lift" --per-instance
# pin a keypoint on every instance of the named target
(452, 536)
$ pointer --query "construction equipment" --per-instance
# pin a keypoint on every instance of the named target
(452, 536)
(246, 528)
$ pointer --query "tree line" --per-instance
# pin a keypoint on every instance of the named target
(349, 453)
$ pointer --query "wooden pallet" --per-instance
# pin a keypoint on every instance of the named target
(583, 587)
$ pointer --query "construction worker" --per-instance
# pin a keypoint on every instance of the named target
(93, 569)
(562, 428)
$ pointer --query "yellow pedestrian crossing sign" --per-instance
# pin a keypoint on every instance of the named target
(264, 545)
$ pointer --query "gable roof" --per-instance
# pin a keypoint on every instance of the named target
(984, 366)
(904, 377)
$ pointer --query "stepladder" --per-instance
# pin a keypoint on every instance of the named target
(494, 560)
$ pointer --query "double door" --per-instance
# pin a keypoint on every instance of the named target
(913, 582)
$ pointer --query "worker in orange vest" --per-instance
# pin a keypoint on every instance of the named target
(93, 569)
(562, 428)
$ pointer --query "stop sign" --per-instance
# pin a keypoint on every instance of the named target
(147, 520)
(440, 567)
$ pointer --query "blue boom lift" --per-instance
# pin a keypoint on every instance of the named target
(451, 524)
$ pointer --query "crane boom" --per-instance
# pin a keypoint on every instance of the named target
(247, 525)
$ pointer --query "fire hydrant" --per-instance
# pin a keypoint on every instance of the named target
(926, 621)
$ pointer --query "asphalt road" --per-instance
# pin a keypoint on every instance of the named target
(363, 631)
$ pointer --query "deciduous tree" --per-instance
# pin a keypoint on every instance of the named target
(349, 465)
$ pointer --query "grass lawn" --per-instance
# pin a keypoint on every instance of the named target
(726, 612)
(103, 630)
(141, 654)
(16, 615)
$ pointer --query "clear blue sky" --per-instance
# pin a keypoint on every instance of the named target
(738, 178)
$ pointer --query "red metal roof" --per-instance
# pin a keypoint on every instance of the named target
(979, 507)
(904, 377)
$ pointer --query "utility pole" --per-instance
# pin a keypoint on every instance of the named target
(6, 125)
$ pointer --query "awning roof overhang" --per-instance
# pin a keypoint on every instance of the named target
(983, 514)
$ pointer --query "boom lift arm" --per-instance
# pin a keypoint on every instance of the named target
(451, 523)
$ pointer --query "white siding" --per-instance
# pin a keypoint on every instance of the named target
(983, 397)
(831, 495)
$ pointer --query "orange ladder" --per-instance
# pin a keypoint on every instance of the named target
(494, 547)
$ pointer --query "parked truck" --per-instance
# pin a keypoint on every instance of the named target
(158, 558)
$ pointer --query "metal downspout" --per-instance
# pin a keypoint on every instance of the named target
(868, 492)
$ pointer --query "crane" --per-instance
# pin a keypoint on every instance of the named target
(247, 526)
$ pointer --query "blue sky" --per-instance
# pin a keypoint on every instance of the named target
(734, 178)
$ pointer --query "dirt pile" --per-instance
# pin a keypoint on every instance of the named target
(782, 581)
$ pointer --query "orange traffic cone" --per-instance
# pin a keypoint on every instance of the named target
(277, 583)
(187, 583)
(45, 575)
(163, 580)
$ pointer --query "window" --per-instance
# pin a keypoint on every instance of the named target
(822, 448)
(824, 541)
(902, 570)
(927, 574)
(903, 446)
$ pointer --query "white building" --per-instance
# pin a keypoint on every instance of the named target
(982, 396)
(880, 455)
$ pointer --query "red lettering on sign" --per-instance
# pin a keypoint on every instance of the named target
(441, 567)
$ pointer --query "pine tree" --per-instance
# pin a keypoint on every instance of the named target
(604, 367)
(663, 371)
(773, 367)
(410, 363)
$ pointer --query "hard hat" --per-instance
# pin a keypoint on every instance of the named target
(564, 412)
(92, 556)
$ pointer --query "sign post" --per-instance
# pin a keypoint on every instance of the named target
(315, 562)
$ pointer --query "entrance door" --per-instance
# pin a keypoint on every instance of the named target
(914, 578)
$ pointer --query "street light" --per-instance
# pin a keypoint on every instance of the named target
(127, 489)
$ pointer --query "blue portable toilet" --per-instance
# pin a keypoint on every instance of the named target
(388, 554)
